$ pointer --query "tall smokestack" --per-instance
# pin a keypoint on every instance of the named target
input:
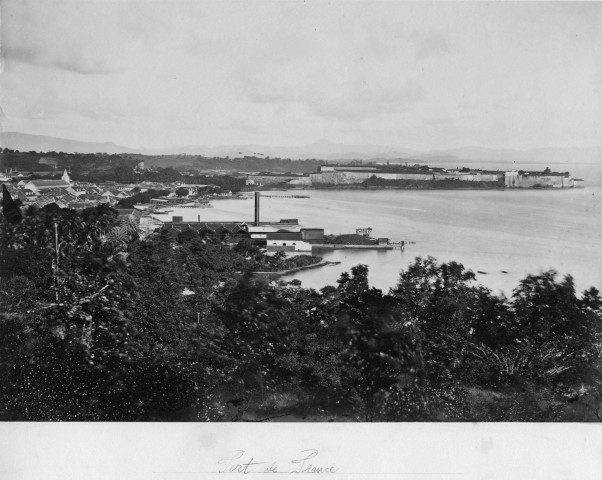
(257, 209)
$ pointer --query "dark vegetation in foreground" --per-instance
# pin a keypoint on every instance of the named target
(102, 325)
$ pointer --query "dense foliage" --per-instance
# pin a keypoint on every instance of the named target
(141, 197)
(121, 168)
(247, 163)
(258, 164)
(83, 167)
(99, 324)
(215, 184)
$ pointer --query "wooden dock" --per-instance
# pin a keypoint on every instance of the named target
(285, 196)
(383, 246)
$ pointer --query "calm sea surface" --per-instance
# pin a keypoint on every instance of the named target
(518, 232)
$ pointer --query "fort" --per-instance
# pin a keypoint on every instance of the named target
(547, 179)
(421, 176)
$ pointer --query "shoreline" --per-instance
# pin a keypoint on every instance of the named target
(400, 187)
(357, 186)
(372, 188)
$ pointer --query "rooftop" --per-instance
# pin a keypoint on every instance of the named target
(49, 183)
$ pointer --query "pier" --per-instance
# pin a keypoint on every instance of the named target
(277, 196)
(377, 246)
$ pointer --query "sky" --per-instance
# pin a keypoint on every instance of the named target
(417, 75)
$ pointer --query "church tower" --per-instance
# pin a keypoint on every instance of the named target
(65, 177)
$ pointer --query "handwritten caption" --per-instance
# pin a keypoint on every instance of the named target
(303, 462)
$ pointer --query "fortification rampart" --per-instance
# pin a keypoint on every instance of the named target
(349, 177)
(529, 179)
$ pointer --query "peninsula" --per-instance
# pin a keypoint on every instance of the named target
(416, 176)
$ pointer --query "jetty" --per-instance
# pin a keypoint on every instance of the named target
(277, 196)
(375, 246)
(361, 239)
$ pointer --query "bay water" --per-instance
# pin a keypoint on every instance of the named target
(501, 235)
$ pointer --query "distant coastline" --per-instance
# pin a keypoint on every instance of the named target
(416, 177)
(426, 185)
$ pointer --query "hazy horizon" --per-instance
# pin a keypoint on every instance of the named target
(318, 142)
(410, 75)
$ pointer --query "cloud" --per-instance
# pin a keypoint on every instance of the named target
(350, 102)
(511, 101)
(56, 35)
(430, 45)
(175, 71)
(439, 121)
(246, 127)
(2, 120)
(371, 101)
(343, 90)
(71, 59)
(467, 106)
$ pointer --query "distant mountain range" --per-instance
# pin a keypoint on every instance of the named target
(25, 142)
(544, 155)
(322, 149)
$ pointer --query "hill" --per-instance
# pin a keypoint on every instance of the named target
(321, 150)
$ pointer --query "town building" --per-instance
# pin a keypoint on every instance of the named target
(275, 178)
(39, 186)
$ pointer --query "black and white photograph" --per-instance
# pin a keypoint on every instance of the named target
(296, 212)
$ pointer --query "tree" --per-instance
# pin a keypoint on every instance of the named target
(246, 247)
(447, 313)
(560, 328)
(187, 235)
(182, 192)
(278, 258)
(437, 298)
(141, 197)
(380, 353)
(82, 350)
(72, 339)
(257, 334)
